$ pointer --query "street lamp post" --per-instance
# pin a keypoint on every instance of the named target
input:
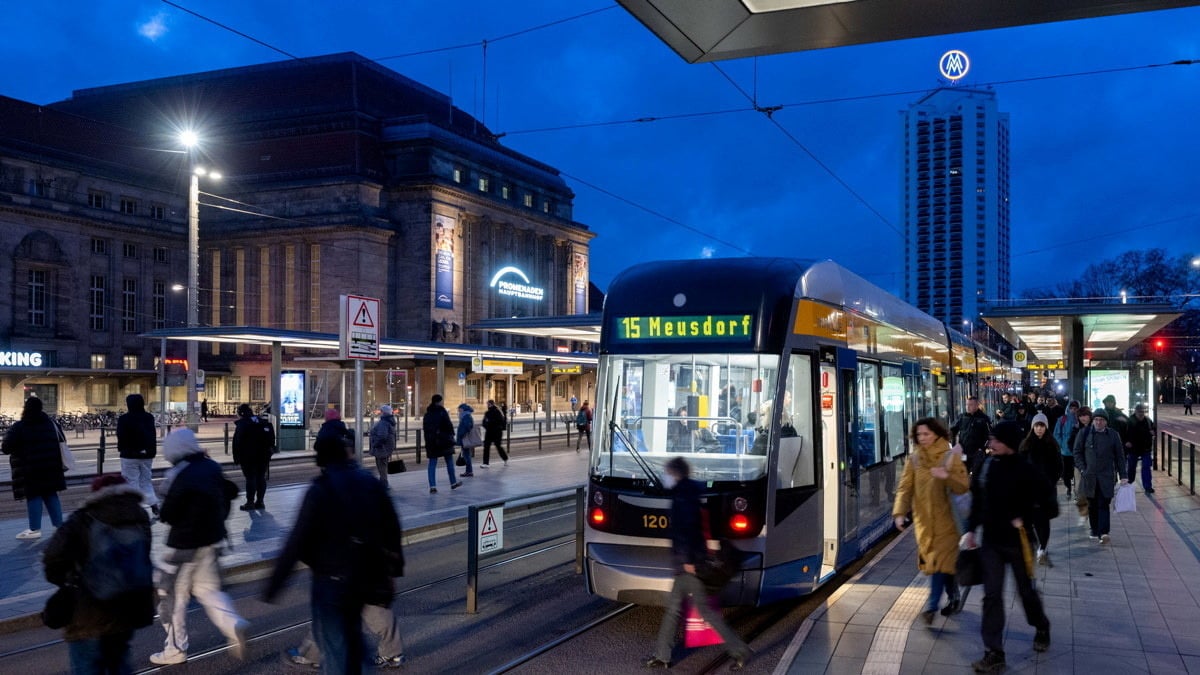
(190, 140)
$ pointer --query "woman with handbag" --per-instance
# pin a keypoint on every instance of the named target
(32, 445)
(928, 478)
(469, 437)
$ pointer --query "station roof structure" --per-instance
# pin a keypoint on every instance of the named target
(1108, 330)
(577, 327)
(713, 30)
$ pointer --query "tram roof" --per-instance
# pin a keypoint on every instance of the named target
(727, 29)
(1046, 329)
(256, 335)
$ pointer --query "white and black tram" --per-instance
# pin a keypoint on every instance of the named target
(790, 387)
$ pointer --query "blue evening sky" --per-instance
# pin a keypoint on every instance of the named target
(1100, 163)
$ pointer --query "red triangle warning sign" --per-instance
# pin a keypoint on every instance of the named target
(489, 525)
(363, 318)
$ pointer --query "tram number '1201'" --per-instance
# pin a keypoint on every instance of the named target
(652, 522)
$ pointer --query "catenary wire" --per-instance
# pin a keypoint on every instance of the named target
(231, 29)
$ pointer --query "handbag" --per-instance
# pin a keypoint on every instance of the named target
(718, 568)
(968, 570)
(1123, 501)
(461, 461)
(60, 607)
(396, 466)
(64, 450)
(960, 505)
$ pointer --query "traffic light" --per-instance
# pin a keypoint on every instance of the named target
(1158, 345)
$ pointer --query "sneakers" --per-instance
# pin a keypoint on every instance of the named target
(1041, 557)
(237, 646)
(992, 662)
(655, 662)
(484, 466)
(165, 658)
(433, 490)
(467, 474)
(30, 534)
(394, 662)
(1103, 539)
(1093, 538)
(457, 485)
(294, 656)
(1041, 640)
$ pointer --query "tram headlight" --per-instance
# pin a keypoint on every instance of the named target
(598, 498)
(739, 523)
(740, 504)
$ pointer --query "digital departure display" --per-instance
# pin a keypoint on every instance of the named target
(709, 327)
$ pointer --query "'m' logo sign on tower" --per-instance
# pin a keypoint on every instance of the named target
(954, 65)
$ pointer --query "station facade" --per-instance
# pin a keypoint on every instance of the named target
(341, 177)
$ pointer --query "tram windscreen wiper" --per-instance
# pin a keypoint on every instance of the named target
(618, 432)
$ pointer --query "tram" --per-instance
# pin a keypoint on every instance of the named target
(790, 387)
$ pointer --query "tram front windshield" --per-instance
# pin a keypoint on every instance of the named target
(715, 410)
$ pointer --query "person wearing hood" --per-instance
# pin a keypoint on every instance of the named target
(383, 441)
(100, 630)
(438, 431)
(197, 501)
(465, 436)
(494, 426)
(1042, 451)
(253, 442)
(37, 466)
(137, 444)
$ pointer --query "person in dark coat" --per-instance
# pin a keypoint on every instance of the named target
(352, 557)
(1100, 458)
(688, 547)
(464, 438)
(137, 444)
(1040, 448)
(1003, 495)
(383, 442)
(252, 447)
(971, 432)
(494, 426)
(99, 633)
(333, 432)
(37, 467)
(1139, 443)
(439, 441)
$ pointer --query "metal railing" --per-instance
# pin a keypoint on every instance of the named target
(1170, 450)
(561, 495)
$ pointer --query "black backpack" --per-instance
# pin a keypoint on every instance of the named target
(118, 562)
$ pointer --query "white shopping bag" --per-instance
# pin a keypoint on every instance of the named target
(1123, 499)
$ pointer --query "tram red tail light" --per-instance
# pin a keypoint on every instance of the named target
(739, 523)
(597, 516)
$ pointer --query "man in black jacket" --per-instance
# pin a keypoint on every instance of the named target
(971, 432)
(196, 505)
(439, 442)
(1139, 443)
(494, 425)
(1004, 493)
(253, 441)
(348, 534)
(688, 547)
(136, 443)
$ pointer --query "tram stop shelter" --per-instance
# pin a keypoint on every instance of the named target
(1087, 343)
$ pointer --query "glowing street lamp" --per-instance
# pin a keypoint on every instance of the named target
(191, 140)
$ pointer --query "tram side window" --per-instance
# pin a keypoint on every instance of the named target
(893, 400)
(866, 421)
(797, 451)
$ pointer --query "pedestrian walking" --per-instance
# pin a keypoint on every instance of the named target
(439, 442)
(1003, 494)
(1140, 437)
(929, 473)
(197, 502)
(467, 437)
(1187, 404)
(1064, 429)
(137, 445)
(204, 410)
(35, 460)
(971, 432)
(1041, 450)
(383, 442)
(348, 534)
(102, 554)
(688, 547)
(380, 623)
(494, 426)
(1100, 457)
(253, 444)
(583, 422)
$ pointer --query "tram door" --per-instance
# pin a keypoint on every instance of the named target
(831, 473)
(848, 468)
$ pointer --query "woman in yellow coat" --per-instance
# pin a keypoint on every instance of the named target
(931, 468)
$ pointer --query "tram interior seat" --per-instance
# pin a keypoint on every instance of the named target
(729, 442)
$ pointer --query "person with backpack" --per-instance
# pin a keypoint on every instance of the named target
(101, 556)
(583, 422)
(494, 426)
(197, 502)
(253, 444)
(137, 444)
(37, 466)
(383, 442)
(353, 558)
(468, 437)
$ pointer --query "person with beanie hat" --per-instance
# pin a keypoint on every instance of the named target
(1004, 492)
(136, 438)
(1100, 458)
(197, 501)
(1040, 448)
(100, 629)
(383, 442)
(438, 431)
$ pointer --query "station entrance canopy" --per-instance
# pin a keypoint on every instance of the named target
(713, 30)
(1065, 333)
(576, 327)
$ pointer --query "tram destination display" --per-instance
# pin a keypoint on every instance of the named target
(706, 327)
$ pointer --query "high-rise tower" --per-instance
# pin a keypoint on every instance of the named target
(956, 212)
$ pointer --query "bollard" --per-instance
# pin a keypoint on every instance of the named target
(100, 452)
(568, 426)
(227, 438)
(1192, 468)
(419, 435)
(539, 436)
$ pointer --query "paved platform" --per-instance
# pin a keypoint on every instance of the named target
(257, 537)
(1132, 606)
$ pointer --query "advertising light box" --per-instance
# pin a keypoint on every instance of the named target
(291, 410)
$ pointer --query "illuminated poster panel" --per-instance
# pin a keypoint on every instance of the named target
(443, 261)
(291, 410)
(580, 274)
(1101, 383)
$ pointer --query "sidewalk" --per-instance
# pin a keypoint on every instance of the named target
(257, 537)
(1131, 606)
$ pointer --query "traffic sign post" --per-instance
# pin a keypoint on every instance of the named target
(358, 339)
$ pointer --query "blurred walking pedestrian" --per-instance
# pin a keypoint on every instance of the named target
(467, 437)
(494, 426)
(253, 444)
(1100, 457)
(137, 444)
(102, 553)
(583, 422)
(379, 622)
(197, 502)
(439, 441)
(383, 442)
(348, 534)
(37, 468)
